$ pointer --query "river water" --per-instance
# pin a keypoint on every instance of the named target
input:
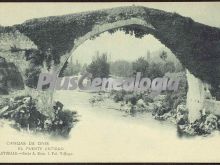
(104, 134)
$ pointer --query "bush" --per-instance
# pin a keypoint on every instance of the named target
(24, 112)
(203, 126)
(63, 123)
(132, 98)
(63, 120)
(32, 75)
(118, 95)
(99, 66)
(148, 99)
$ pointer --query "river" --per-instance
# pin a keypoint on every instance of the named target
(104, 134)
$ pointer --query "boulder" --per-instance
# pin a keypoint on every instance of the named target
(3, 110)
(181, 114)
(210, 124)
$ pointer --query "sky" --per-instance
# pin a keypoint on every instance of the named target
(118, 46)
(15, 13)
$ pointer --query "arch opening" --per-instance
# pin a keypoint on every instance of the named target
(147, 45)
(139, 30)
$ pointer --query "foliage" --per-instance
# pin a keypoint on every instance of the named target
(118, 95)
(84, 68)
(203, 126)
(162, 106)
(131, 98)
(175, 98)
(13, 77)
(73, 68)
(169, 67)
(147, 98)
(121, 68)
(193, 43)
(35, 57)
(155, 70)
(10, 77)
(65, 29)
(32, 75)
(141, 65)
(23, 110)
(63, 121)
(152, 69)
(99, 66)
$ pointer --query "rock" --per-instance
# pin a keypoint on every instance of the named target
(159, 98)
(206, 125)
(3, 110)
(210, 123)
(127, 107)
(162, 117)
(140, 106)
(147, 99)
(181, 115)
(27, 100)
(181, 108)
(150, 107)
(188, 130)
(140, 103)
(58, 106)
(47, 123)
(96, 99)
(158, 104)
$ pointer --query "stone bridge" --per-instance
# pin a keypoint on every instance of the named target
(52, 40)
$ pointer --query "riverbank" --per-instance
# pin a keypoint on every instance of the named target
(167, 107)
(25, 114)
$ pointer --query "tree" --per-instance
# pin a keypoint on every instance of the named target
(121, 68)
(169, 67)
(155, 70)
(76, 67)
(72, 68)
(32, 75)
(141, 65)
(99, 66)
(84, 68)
(179, 67)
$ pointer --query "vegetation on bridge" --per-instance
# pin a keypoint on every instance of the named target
(195, 44)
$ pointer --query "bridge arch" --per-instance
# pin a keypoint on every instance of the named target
(143, 25)
(196, 45)
(98, 29)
